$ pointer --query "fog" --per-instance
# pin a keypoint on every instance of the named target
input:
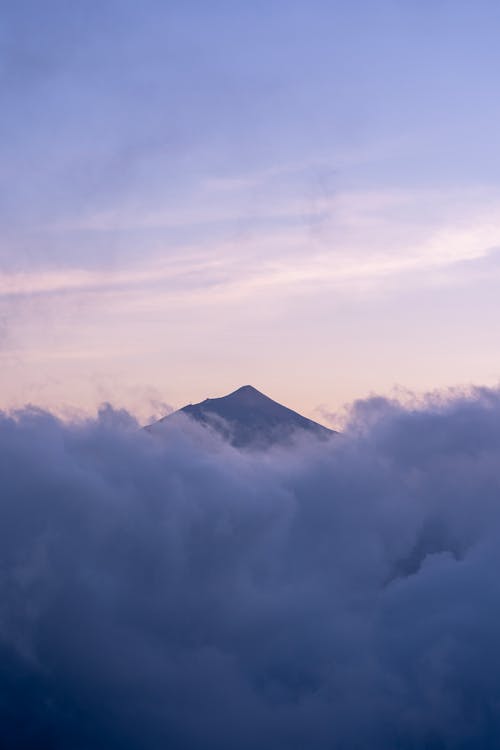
(174, 592)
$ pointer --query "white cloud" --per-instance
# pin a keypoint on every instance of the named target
(177, 592)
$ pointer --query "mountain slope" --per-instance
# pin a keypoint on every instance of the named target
(248, 418)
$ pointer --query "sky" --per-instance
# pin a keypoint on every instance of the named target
(303, 196)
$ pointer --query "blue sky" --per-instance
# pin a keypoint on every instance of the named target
(193, 196)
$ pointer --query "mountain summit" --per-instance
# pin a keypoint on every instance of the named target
(248, 418)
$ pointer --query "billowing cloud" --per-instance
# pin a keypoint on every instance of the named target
(175, 592)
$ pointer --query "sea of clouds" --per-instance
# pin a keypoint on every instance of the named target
(173, 592)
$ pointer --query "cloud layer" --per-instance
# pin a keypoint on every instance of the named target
(178, 593)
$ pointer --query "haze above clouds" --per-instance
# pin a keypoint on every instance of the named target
(191, 192)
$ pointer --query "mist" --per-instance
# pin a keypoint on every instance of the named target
(173, 591)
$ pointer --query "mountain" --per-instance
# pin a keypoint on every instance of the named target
(247, 418)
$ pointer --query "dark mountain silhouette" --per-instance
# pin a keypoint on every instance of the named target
(247, 418)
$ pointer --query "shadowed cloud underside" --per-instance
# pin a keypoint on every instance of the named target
(183, 594)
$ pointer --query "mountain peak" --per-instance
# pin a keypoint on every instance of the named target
(246, 392)
(248, 418)
(241, 392)
(246, 389)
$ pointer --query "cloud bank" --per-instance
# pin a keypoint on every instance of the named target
(178, 593)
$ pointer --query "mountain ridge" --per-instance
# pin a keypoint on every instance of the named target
(247, 417)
